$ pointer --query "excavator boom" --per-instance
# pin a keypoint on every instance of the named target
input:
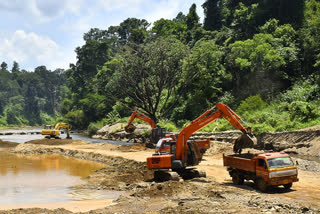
(208, 117)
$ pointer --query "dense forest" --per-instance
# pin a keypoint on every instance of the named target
(262, 58)
(30, 98)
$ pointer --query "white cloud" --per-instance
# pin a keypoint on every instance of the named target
(41, 10)
(57, 26)
(31, 50)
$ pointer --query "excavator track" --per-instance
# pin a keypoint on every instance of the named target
(163, 175)
(186, 174)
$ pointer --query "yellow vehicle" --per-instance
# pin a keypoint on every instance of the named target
(55, 133)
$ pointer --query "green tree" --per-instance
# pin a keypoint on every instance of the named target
(165, 27)
(244, 21)
(93, 107)
(129, 28)
(212, 13)
(310, 36)
(205, 70)
(180, 18)
(147, 76)
(286, 11)
(4, 66)
(15, 67)
(256, 64)
(91, 56)
(14, 111)
(192, 18)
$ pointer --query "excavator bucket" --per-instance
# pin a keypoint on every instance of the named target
(130, 128)
(244, 141)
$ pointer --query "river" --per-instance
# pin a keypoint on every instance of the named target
(75, 136)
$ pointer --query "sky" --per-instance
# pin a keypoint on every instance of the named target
(46, 32)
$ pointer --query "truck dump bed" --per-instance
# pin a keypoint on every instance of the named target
(240, 161)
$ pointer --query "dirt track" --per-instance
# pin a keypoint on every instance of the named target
(126, 171)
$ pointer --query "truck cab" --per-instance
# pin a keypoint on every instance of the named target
(275, 169)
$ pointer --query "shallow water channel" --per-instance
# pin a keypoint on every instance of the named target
(48, 179)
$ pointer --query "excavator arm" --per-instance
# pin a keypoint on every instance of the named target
(136, 114)
(208, 117)
(63, 125)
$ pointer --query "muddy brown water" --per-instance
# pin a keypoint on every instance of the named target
(30, 179)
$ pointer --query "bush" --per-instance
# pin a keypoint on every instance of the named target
(76, 118)
(168, 125)
(93, 128)
(301, 110)
(46, 118)
(251, 104)
(113, 117)
(261, 128)
(3, 121)
(66, 106)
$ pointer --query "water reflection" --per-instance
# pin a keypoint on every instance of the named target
(16, 163)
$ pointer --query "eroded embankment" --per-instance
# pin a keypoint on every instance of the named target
(302, 142)
(120, 173)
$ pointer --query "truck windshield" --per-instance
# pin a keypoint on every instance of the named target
(280, 162)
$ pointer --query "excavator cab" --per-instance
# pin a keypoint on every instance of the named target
(164, 146)
(47, 127)
(157, 134)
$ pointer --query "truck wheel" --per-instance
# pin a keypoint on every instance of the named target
(287, 186)
(262, 186)
(237, 179)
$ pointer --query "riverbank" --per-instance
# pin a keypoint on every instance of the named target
(126, 171)
(304, 142)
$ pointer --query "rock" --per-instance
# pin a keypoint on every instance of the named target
(159, 187)
(305, 209)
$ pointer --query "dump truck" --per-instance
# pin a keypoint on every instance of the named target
(265, 169)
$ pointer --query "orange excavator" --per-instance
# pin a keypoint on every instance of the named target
(184, 153)
(156, 132)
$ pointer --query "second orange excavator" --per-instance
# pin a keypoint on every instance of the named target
(156, 132)
(184, 153)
